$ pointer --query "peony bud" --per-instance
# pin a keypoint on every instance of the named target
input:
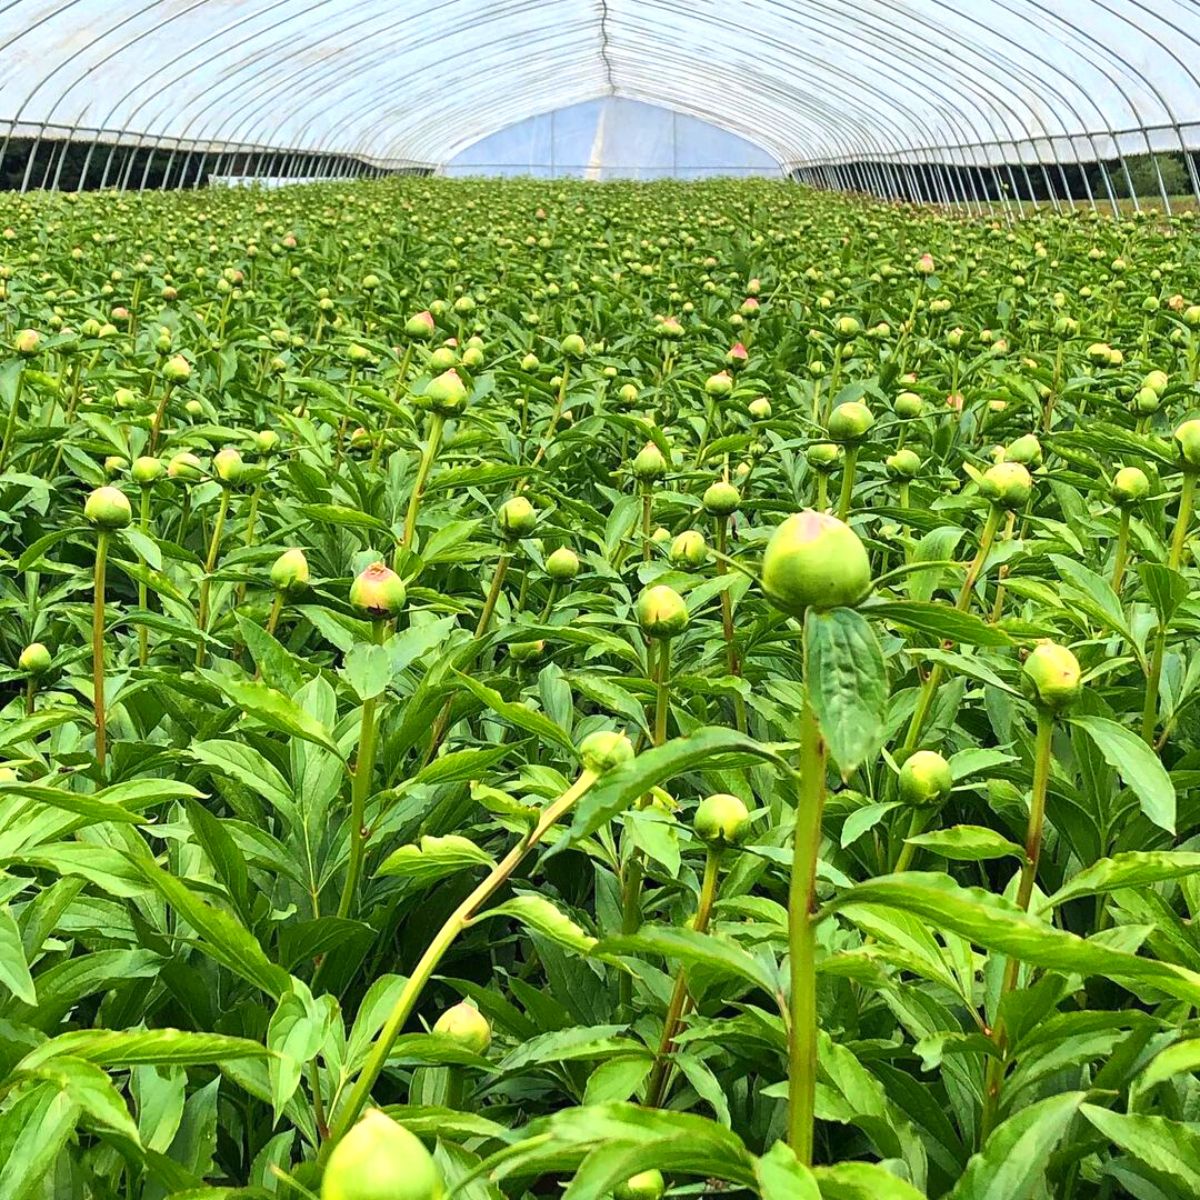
(661, 612)
(467, 1026)
(1007, 485)
(1129, 485)
(1051, 676)
(604, 751)
(516, 518)
(563, 565)
(378, 592)
(108, 508)
(815, 561)
(689, 549)
(720, 499)
(380, 1160)
(35, 659)
(721, 820)
(289, 573)
(925, 779)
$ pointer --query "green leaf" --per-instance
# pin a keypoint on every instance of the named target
(1174, 1060)
(617, 790)
(297, 1030)
(694, 949)
(88, 1086)
(33, 1130)
(940, 620)
(94, 807)
(278, 668)
(1137, 764)
(1012, 1164)
(1170, 1147)
(276, 711)
(846, 683)
(998, 924)
(517, 714)
(223, 937)
(368, 670)
(938, 545)
(1134, 868)
(434, 858)
(1167, 589)
(862, 1181)
(543, 917)
(131, 1047)
(967, 843)
(14, 970)
(348, 518)
(780, 1175)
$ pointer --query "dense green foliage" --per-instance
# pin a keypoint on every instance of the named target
(417, 697)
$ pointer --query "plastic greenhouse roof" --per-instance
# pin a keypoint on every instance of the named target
(399, 82)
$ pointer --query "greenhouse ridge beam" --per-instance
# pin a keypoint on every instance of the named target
(962, 101)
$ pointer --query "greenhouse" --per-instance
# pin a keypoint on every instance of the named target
(598, 600)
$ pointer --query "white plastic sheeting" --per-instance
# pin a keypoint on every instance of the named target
(613, 138)
(399, 82)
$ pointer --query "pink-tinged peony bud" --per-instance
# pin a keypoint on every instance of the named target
(925, 264)
(378, 592)
(420, 325)
(954, 402)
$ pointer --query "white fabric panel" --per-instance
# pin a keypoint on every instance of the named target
(419, 80)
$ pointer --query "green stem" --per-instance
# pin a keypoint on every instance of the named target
(30, 695)
(159, 413)
(1033, 850)
(822, 491)
(662, 700)
(847, 492)
(925, 699)
(647, 519)
(434, 952)
(441, 724)
(210, 565)
(276, 610)
(1122, 556)
(143, 590)
(731, 654)
(802, 943)
(102, 539)
(657, 1083)
(432, 443)
(11, 426)
(1174, 560)
(360, 789)
(489, 605)
(916, 826)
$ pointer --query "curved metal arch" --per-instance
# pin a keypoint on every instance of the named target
(767, 83)
(166, 86)
(854, 86)
(224, 83)
(864, 106)
(268, 86)
(788, 14)
(418, 142)
(480, 70)
(384, 56)
(834, 33)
